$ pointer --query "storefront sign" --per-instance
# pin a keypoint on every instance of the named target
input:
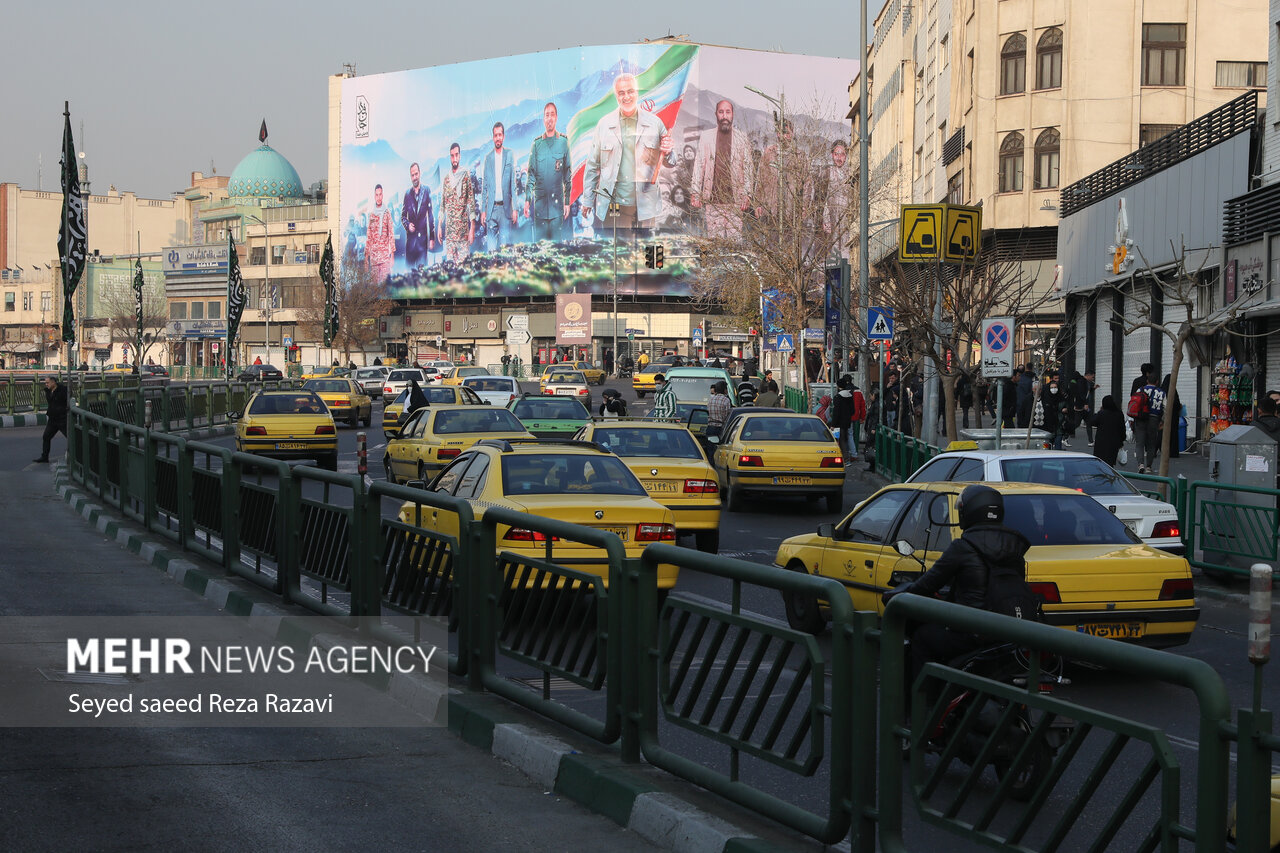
(192, 260)
(196, 329)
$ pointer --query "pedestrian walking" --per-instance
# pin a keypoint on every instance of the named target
(664, 399)
(718, 407)
(769, 398)
(55, 395)
(964, 398)
(1109, 431)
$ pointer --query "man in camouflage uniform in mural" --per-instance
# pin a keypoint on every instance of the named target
(458, 205)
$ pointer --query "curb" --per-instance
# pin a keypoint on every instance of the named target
(24, 420)
(636, 797)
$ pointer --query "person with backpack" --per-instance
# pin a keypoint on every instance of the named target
(844, 415)
(985, 568)
(1146, 407)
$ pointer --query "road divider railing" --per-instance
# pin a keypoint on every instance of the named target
(898, 455)
(711, 691)
(1228, 528)
(23, 391)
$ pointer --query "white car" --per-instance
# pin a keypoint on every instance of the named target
(494, 390)
(398, 380)
(371, 379)
(1153, 521)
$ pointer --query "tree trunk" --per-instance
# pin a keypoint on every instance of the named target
(1166, 434)
(949, 402)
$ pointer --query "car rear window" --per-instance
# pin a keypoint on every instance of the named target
(785, 429)
(477, 419)
(490, 384)
(1088, 474)
(404, 375)
(335, 385)
(1065, 520)
(577, 473)
(568, 377)
(439, 394)
(637, 441)
(287, 404)
(550, 409)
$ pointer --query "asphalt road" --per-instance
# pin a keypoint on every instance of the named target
(754, 536)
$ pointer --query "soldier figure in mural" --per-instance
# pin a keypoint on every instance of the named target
(458, 208)
(380, 241)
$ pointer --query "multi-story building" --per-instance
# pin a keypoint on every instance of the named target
(1003, 102)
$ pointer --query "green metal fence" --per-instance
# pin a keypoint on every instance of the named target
(898, 455)
(748, 690)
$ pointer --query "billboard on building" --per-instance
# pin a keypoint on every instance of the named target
(496, 177)
(573, 319)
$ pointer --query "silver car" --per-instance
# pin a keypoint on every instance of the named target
(1154, 521)
(370, 380)
(495, 390)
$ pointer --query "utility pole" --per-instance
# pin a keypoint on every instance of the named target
(864, 209)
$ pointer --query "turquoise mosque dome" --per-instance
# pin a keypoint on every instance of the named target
(264, 173)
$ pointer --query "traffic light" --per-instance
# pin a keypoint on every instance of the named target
(650, 257)
(658, 252)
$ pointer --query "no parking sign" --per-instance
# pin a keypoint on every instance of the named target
(997, 347)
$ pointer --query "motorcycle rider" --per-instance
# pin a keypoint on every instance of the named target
(966, 563)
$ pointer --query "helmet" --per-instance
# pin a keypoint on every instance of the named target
(980, 504)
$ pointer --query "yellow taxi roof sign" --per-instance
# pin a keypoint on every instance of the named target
(962, 445)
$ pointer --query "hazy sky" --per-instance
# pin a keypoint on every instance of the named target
(164, 88)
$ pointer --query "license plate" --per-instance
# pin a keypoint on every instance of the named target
(565, 392)
(1113, 630)
(620, 532)
(791, 480)
(660, 487)
(290, 445)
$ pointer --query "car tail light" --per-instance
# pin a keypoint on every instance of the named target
(345, 401)
(1166, 528)
(387, 389)
(833, 462)
(511, 399)
(256, 431)
(1047, 590)
(547, 391)
(655, 533)
(701, 487)
(520, 534)
(750, 460)
(448, 452)
(1177, 588)
(582, 392)
(325, 429)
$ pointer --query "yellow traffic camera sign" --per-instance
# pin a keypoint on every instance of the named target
(939, 232)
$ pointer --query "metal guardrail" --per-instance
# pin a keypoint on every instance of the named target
(534, 631)
(897, 455)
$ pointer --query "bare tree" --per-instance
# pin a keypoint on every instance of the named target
(993, 285)
(1186, 295)
(361, 302)
(119, 307)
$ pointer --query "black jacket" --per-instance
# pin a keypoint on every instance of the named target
(963, 567)
(1109, 436)
(57, 404)
(1270, 424)
(842, 409)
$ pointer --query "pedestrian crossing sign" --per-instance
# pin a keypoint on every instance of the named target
(879, 324)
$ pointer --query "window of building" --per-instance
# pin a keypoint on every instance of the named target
(1049, 59)
(214, 311)
(1013, 65)
(1149, 133)
(10, 301)
(1011, 163)
(28, 299)
(942, 139)
(257, 256)
(177, 310)
(313, 253)
(955, 188)
(1048, 147)
(197, 310)
(1242, 75)
(1164, 53)
(277, 254)
(46, 301)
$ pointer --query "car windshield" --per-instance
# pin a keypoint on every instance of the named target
(1085, 473)
(287, 404)
(496, 383)
(328, 385)
(1065, 519)
(439, 394)
(691, 389)
(785, 429)
(404, 375)
(570, 378)
(476, 419)
(568, 473)
(638, 441)
(550, 409)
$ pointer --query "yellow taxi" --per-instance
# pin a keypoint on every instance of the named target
(642, 381)
(433, 437)
(1095, 575)
(118, 368)
(345, 398)
(326, 373)
(595, 375)
(292, 424)
(457, 374)
(778, 452)
(573, 481)
(670, 465)
(393, 410)
(563, 382)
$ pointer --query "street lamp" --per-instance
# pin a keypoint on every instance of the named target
(614, 210)
(780, 165)
(266, 286)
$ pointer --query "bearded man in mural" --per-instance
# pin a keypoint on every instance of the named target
(628, 150)
(458, 209)
(722, 172)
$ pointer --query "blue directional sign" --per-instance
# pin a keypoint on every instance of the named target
(785, 344)
(880, 324)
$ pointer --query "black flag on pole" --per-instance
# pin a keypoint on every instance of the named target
(73, 238)
(137, 310)
(235, 300)
(330, 293)
(262, 133)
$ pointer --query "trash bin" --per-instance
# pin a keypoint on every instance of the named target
(1240, 455)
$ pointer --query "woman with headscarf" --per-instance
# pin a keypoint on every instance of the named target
(1109, 431)
(1171, 399)
(417, 399)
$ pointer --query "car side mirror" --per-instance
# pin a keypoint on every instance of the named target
(827, 530)
(234, 416)
(417, 484)
(711, 439)
(904, 548)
